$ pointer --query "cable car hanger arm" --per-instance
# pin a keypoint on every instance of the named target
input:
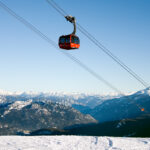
(72, 20)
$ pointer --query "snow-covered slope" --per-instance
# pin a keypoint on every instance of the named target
(72, 143)
(18, 105)
(123, 107)
(27, 116)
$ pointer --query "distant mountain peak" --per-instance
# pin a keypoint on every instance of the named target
(144, 92)
(18, 105)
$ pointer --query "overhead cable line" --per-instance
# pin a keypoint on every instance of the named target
(51, 42)
(57, 7)
(44, 37)
(100, 46)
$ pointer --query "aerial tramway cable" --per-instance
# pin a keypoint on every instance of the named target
(81, 64)
(43, 36)
(100, 46)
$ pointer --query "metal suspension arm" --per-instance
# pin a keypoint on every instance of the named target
(72, 20)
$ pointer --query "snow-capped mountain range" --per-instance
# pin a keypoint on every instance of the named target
(124, 107)
(27, 116)
(54, 93)
(21, 110)
(66, 95)
(90, 100)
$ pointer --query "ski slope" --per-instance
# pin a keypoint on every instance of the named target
(72, 143)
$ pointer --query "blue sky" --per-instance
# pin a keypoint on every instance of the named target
(28, 63)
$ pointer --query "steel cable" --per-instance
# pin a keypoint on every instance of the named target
(100, 46)
(81, 64)
(43, 36)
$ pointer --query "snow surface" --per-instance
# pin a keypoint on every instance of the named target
(72, 143)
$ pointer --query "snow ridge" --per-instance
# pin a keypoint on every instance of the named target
(144, 92)
(18, 105)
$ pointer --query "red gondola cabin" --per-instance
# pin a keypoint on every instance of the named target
(69, 42)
